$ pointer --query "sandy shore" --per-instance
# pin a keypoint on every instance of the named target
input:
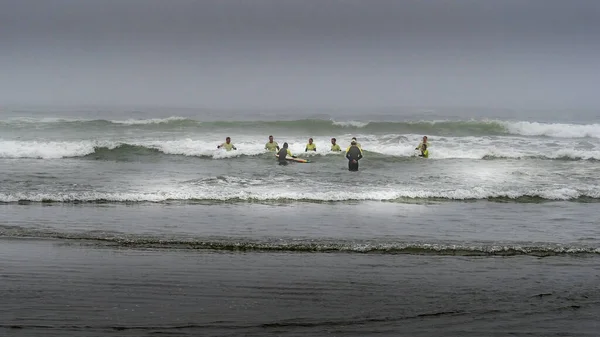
(59, 288)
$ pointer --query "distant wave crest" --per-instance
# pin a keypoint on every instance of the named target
(320, 126)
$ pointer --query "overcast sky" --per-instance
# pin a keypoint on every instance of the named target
(302, 53)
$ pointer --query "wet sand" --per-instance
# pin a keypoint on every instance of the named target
(64, 288)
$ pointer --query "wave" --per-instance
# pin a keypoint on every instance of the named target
(559, 156)
(305, 246)
(553, 130)
(375, 149)
(234, 191)
(24, 121)
(168, 120)
(351, 124)
(328, 126)
(110, 150)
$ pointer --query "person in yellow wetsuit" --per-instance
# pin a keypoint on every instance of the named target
(334, 146)
(424, 142)
(310, 146)
(271, 145)
(354, 142)
(424, 151)
(227, 145)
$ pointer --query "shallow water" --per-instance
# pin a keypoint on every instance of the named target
(455, 228)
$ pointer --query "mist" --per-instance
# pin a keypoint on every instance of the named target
(240, 54)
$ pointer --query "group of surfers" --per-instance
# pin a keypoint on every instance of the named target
(353, 153)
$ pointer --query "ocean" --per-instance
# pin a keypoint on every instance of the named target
(130, 222)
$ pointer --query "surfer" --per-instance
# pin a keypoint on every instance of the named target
(334, 146)
(283, 153)
(271, 145)
(310, 146)
(355, 143)
(354, 154)
(424, 151)
(227, 145)
(421, 144)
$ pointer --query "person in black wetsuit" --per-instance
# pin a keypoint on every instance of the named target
(354, 154)
(284, 152)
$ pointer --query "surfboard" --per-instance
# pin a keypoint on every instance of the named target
(297, 160)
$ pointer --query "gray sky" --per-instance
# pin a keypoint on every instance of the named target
(303, 53)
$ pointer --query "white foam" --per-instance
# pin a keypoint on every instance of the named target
(190, 147)
(148, 121)
(186, 147)
(440, 148)
(354, 124)
(274, 193)
(553, 129)
(51, 120)
(486, 147)
(46, 150)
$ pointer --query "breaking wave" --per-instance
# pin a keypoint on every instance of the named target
(110, 150)
(261, 193)
(375, 150)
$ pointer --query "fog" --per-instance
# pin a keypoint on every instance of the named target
(538, 54)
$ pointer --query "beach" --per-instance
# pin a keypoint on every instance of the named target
(60, 288)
